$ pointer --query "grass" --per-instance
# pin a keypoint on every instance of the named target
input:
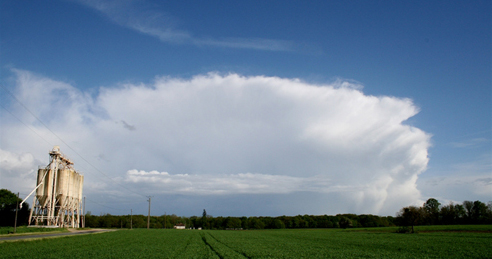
(25, 229)
(437, 228)
(430, 242)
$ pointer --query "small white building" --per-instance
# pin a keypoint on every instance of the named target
(179, 226)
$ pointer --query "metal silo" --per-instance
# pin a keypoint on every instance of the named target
(41, 192)
(81, 185)
(57, 202)
(62, 185)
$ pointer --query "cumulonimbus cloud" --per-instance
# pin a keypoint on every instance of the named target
(221, 134)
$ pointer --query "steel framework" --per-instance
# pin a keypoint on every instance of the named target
(57, 202)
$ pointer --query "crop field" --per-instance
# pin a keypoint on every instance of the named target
(430, 242)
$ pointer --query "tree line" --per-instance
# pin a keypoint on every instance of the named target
(210, 222)
(430, 213)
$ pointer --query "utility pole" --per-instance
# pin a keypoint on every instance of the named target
(148, 217)
(131, 218)
(16, 210)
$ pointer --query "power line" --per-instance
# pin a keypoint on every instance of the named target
(13, 115)
(103, 205)
(46, 126)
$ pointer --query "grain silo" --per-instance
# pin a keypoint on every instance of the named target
(57, 202)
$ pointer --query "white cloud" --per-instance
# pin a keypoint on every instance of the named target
(458, 187)
(10, 161)
(241, 183)
(227, 135)
(14, 168)
(461, 181)
(146, 19)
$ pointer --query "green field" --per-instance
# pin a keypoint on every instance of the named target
(24, 229)
(430, 242)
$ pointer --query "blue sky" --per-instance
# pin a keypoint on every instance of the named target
(437, 54)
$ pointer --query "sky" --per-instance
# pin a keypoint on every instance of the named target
(250, 108)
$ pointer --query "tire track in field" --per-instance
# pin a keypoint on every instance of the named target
(240, 253)
(210, 246)
(231, 253)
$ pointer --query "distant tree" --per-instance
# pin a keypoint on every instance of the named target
(410, 216)
(299, 222)
(432, 204)
(479, 212)
(204, 219)
(460, 213)
(267, 222)
(216, 223)
(109, 221)
(277, 224)
(431, 208)
(468, 205)
(8, 203)
(324, 222)
(156, 224)
(309, 221)
(233, 222)
(91, 221)
(488, 215)
(448, 214)
(244, 222)
(255, 223)
(345, 222)
(193, 222)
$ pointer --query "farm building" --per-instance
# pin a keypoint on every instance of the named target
(179, 226)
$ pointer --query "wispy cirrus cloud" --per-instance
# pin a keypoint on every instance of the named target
(140, 16)
(470, 143)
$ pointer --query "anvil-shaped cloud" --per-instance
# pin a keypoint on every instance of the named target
(227, 134)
